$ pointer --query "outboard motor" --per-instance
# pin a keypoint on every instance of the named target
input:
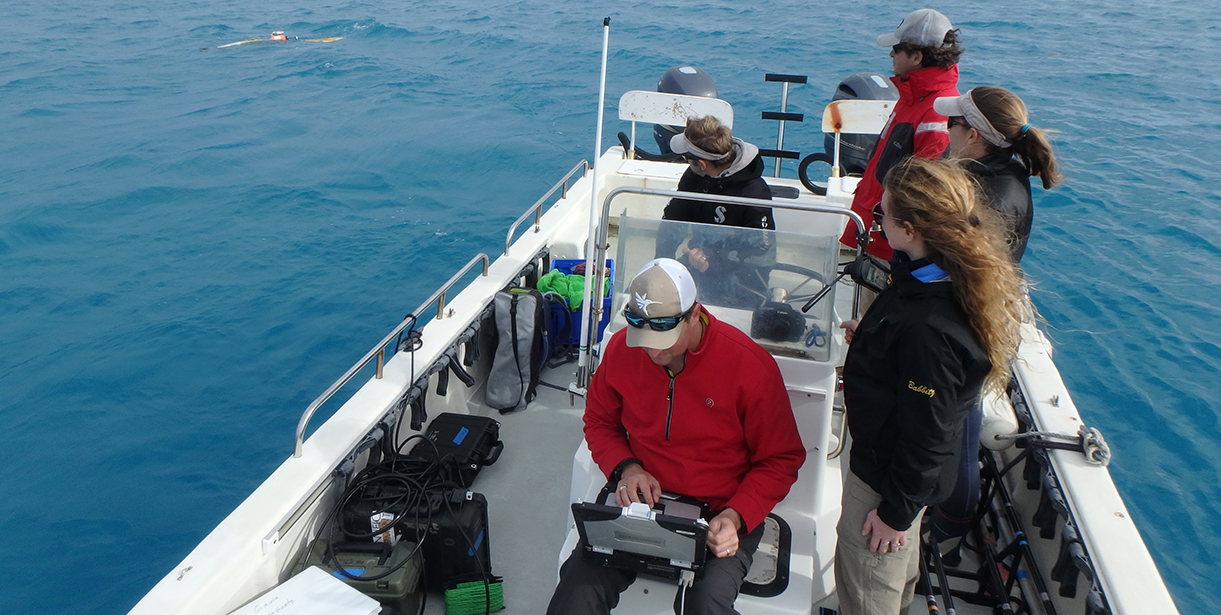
(855, 150)
(687, 80)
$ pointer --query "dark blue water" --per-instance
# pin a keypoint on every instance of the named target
(195, 242)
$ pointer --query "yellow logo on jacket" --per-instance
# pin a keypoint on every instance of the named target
(919, 388)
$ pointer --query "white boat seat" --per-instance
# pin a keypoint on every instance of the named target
(864, 117)
(670, 109)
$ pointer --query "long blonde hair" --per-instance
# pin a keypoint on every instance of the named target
(966, 239)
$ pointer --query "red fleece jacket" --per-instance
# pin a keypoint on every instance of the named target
(732, 440)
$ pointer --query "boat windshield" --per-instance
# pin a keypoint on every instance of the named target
(754, 279)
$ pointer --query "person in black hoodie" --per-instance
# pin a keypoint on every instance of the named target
(945, 328)
(721, 164)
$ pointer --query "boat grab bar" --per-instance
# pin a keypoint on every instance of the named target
(379, 351)
(601, 243)
(537, 208)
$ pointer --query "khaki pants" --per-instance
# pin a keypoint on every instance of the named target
(871, 583)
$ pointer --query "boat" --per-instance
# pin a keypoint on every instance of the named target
(1053, 537)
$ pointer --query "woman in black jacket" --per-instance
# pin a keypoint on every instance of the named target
(946, 327)
(990, 132)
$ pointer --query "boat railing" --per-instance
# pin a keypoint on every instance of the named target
(537, 207)
(379, 351)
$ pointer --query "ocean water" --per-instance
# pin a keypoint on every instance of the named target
(195, 242)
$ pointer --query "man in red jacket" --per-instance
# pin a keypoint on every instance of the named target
(686, 403)
(924, 52)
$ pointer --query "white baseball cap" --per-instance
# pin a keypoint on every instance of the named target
(663, 288)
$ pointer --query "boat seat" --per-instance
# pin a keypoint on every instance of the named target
(851, 116)
(669, 109)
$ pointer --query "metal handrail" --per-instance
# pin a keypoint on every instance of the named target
(537, 208)
(379, 350)
(601, 244)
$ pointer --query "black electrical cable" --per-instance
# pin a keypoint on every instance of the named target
(428, 479)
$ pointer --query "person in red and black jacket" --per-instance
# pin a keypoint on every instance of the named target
(924, 52)
(689, 404)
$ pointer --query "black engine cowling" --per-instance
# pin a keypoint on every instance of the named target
(687, 80)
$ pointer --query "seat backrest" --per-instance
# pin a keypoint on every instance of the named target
(672, 109)
(857, 117)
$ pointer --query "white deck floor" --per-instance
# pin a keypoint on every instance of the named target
(527, 493)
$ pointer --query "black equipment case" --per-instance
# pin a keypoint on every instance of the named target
(399, 570)
(453, 526)
(470, 441)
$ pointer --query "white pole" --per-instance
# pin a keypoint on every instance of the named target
(583, 358)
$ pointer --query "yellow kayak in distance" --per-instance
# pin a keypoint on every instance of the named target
(328, 39)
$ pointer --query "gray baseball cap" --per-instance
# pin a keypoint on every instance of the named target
(923, 28)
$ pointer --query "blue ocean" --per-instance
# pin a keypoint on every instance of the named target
(195, 241)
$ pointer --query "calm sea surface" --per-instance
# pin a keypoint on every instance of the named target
(194, 242)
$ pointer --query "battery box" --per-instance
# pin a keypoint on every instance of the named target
(401, 566)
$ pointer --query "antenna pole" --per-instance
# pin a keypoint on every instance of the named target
(584, 359)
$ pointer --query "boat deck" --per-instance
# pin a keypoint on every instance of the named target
(527, 493)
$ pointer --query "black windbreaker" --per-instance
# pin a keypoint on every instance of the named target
(1006, 188)
(913, 372)
(732, 256)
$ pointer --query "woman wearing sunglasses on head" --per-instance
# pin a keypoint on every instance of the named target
(945, 328)
(991, 132)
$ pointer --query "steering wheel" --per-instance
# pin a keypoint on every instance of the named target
(801, 276)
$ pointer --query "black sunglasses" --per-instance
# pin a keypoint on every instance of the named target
(661, 323)
(956, 121)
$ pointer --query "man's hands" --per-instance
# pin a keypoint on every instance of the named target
(637, 485)
(723, 533)
(883, 538)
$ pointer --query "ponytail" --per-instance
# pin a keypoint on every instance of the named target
(1035, 150)
(1007, 115)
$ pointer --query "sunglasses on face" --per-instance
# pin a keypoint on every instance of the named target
(956, 121)
(691, 159)
(878, 214)
(663, 323)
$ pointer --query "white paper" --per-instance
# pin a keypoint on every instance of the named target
(312, 592)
